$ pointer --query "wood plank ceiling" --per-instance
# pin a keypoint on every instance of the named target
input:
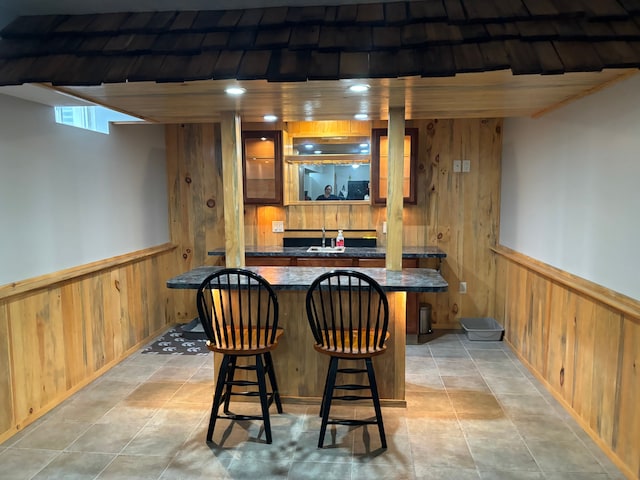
(437, 58)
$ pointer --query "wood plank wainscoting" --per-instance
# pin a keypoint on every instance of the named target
(582, 341)
(60, 331)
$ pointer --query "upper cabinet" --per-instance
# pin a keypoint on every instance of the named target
(262, 167)
(380, 165)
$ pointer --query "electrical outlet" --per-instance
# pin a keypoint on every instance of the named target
(457, 166)
(277, 226)
(384, 227)
(463, 287)
(466, 166)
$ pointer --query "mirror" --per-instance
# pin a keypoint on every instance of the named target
(345, 182)
(331, 168)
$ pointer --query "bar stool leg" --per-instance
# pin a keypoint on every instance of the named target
(217, 396)
(264, 404)
(230, 376)
(376, 400)
(324, 393)
(272, 379)
(326, 407)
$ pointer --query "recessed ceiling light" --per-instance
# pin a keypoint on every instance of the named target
(361, 116)
(270, 118)
(235, 90)
(359, 87)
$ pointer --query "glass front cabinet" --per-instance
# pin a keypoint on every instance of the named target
(380, 165)
(262, 167)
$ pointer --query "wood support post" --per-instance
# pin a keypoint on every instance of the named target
(395, 192)
(231, 137)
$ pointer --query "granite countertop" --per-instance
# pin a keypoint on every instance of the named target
(300, 278)
(360, 252)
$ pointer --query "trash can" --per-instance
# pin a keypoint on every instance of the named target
(424, 320)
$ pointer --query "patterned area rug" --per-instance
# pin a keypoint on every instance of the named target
(174, 343)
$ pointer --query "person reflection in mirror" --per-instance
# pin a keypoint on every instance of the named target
(327, 195)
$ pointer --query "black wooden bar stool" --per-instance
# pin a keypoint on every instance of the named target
(349, 315)
(239, 313)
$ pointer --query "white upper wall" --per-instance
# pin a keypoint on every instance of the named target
(570, 187)
(70, 196)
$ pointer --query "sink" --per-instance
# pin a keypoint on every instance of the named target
(325, 250)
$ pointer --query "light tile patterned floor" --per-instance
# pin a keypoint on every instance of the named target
(474, 412)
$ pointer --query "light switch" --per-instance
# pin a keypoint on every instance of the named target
(277, 226)
(457, 166)
(466, 166)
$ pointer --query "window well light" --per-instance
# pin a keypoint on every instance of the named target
(270, 118)
(359, 87)
(235, 90)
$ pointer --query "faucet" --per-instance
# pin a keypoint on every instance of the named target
(324, 237)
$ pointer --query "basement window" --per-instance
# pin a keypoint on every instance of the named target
(94, 118)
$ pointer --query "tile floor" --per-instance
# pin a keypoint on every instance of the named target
(474, 412)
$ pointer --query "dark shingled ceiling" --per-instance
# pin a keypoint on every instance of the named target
(426, 38)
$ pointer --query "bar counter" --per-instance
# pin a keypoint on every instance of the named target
(301, 371)
(300, 278)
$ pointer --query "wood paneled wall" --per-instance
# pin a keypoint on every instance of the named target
(196, 205)
(61, 331)
(583, 343)
(458, 212)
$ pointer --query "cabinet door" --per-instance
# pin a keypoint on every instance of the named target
(268, 261)
(381, 262)
(262, 167)
(380, 165)
(324, 262)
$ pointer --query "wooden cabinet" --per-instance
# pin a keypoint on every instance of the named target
(381, 262)
(262, 167)
(270, 261)
(324, 262)
(380, 165)
(315, 261)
